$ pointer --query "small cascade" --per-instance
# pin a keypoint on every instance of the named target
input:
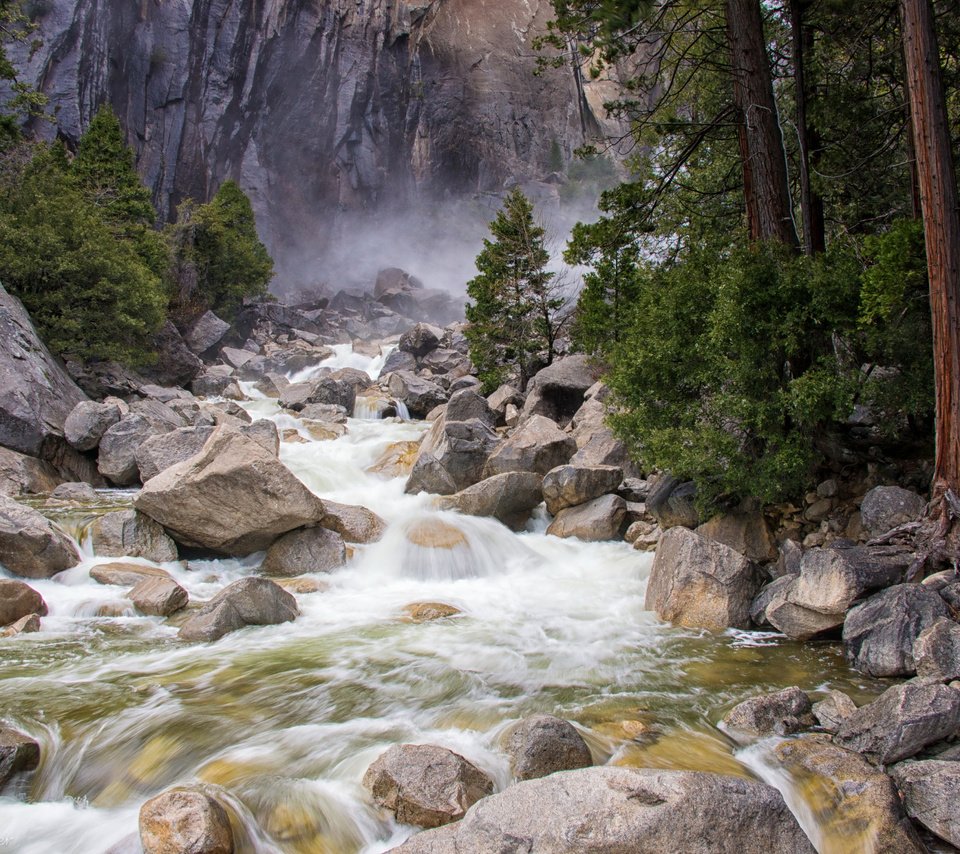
(344, 356)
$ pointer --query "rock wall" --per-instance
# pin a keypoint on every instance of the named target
(319, 108)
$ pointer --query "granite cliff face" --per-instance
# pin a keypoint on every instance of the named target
(320, 108)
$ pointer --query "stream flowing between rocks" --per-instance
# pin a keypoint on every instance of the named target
(286, 719)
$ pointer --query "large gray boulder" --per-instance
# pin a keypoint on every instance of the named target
(206, 331)
(557, 391)
(746, 532)
(158, 597)
(936, 651)
(902, 721)
(250, 601)
(305, 550)
(886, 507)
(87, 422)
(183, 820)
(127, 533)
(508, 497)
(611, 810)
(354, 523)
(878, 636)
(595, 521)
(467, 404)
(697, 582)
(671, 502)
(234, 497)
(420, 340)
(782, 713)
(21, 474)
(117, 457)
(537, 445)
(543, 744)
(175, 364)
(18, 600)
(452, 456)
(425, 785)
(32, 546)
(569, 485)
(418, 394)
(160, 451)
(929, 790)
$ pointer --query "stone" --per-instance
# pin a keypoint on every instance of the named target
(205, 332)
(305, 550)
(670, 502)
(885, 507)
(557, 391)
(233, 497)
(21, 474)
(782, 713)
(768, 595)
(161, 416)
(264, 432)
(418, 394)
(425, 785)
(175, 364)
(936, 651)
(644, 535)
(509, 498)
(467, 404)
(748, 533)
(505, 395)
(117, 457)
(182, 821)
(569, 485)
(127, 533)
(158, 452)
(18, 753)
(396, 460)
(543, 744)
(329, 413)
(833, 710)
(19, 600)
(452, 456)
(125, 574)
(856, 806)
(398, 360)
(425, 612)
(878, 636)
(303, 584)
(420, 340)
(699, 583)
(595, 521)
(235, 358)
(354, 523)
(929, 790)
(87, 422)
(25, 625)
(158, 597)
(32, 546)
(74, 492)
(251, 601)
(446, 362)
(537, 445)
(216, 385)
(429, 475)
(611, 810)
(902, 721)
(795, 621)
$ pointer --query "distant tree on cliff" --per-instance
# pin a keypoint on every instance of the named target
(216, 257)
(514, 316)
(22, 99)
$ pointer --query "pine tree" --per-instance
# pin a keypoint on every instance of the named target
(515, 314)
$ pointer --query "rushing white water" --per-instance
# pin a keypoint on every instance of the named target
(285, 719)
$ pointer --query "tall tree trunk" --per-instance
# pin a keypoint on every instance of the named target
(766, 191)
(941, 224)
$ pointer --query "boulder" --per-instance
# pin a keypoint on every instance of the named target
(425, 785)
(902, 721)
(508, 498)
(158, 452)
(397, 460)
(596, 521)
(18, 600)
(206, 331)
(505, 395)
(700, 583)
(36, 394)
(175, 364)
(885, 507)
(612, 810)
(418, 394)
(557, 391)
(117, 457)
(596, 443)
(447, 363)
(783, 713)
(398, 360)
(21, 474)
(354, 523)
(643, 535)
(420, 340)
(305, 550)
(180, 821)
(272, 384)
(429, 475)
(467, 404)
(537, 445)
(127, 533)
(233, 497)
(18, 752)
(795, 621)
(878, 636)
(162, 416)
(452, 456)
(771, 593)
(542, 744)
(394, 278)
(87, 422)
(74, 492)
(329, 413)
(158, 597)
(125, 574)
(745, 532)
(569, 485)
(32, 546)
(855, 804)
(833, 710)
(670, 502)
(936, 651)
(216, 385)
(251, 601)
(929, 790)
(25, 625)
(235, 358)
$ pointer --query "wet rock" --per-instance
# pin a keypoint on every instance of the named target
(420, 340)
(158, 597)
(833, 710)
(557, 391)
(271, 384)
(425, 612)
(508, 497)
(306, 550)
(670, 502)
(180, 821)
(205, 332)
(419, 394)
(125, 574)
(467, 404)
(159, 452)
(596, 521)
(608, 809)
(783, 713)
(537, 445)
(569, 485)
(878, 636)
(21, 474)
(117, 457)
(250, 601)
(886, 507)
(425, 785)
(929, 789)
(25, 625)
(902, 721)
(452, 456)
(303, 584)
(18, 600)
(936, 651)
(397, 460)
(696, 582)
(32, 546)
(542, 744)
(856, 805)
(354, 523)
(87, 422)
(233, 497)
(18, 753)
(748, 533)
(127, 533)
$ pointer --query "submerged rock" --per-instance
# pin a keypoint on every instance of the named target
(181, 821)
(18, 752)
(250, 601)
(125, 574)
(785, 712)
(425, 612)
(31, 545)
(18, 600)
(543, 744)
(128, 533)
